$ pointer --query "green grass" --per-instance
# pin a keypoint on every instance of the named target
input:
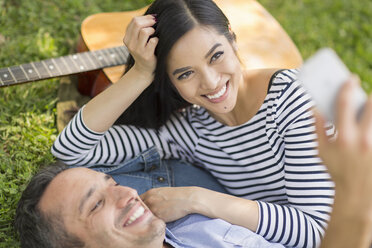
(30, 31)
(39, 29)
(341, 24)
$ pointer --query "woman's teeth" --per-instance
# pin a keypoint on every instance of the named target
(139, 212)
(218, 94)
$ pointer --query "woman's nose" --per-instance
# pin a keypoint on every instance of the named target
(210, 79)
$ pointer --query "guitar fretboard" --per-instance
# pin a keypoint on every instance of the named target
(63, 66)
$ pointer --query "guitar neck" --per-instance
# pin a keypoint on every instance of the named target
(63, 66)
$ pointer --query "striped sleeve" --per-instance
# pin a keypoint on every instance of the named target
(302, 222)
(77, 145)
(183, 135)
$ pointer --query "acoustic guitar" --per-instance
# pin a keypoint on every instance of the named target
(101, 56)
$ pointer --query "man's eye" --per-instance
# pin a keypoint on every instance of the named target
(96, 205)
(216, 56)
(185, 75)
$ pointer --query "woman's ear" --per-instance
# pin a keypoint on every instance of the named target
(234, 46)
(232, 33)
(233, 42)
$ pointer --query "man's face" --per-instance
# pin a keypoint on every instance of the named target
(100, 212)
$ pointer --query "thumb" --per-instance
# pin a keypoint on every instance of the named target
(143, 196)
(320, 132)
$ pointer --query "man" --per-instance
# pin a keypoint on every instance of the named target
(80, 207)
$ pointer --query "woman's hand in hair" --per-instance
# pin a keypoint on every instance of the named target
(140, 45)
(119, 96)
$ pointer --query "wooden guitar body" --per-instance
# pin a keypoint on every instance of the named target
(103, 30)
(261, 41)
(91, 83)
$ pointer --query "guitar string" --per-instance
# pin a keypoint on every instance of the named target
(111, 57)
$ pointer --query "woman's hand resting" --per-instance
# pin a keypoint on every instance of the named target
(141, 47)
(170, 203)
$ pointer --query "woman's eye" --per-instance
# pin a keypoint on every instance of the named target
(97, 205)
(216, 56)
(184, 75)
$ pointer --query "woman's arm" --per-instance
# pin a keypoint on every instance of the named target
(85, 140)
(103, 110)
(171, 204)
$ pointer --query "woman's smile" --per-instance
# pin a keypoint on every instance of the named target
(219, 95)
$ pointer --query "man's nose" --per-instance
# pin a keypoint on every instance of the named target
(122, 195)
(210, 78)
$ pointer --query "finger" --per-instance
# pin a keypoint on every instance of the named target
(366, 122)
(144, 36)
(134, 27)
(143, 196)
(320, 130)
(140, 21)
(151, 45)
(346, 113)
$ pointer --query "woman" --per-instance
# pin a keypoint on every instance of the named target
(253, 130)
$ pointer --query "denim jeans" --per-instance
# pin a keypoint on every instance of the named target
(148, 171)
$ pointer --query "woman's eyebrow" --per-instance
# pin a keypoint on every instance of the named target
(212, 49)
(181, 70)
(206, 56)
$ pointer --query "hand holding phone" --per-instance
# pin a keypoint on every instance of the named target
(322, 75)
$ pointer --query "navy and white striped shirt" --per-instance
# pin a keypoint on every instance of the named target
(272, 158)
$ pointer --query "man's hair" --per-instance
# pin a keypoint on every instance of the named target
(174, 19)
(37, 229)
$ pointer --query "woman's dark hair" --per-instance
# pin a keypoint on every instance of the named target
(38, 229)
(174, 19)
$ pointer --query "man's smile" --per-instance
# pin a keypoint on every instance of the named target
(135, 214)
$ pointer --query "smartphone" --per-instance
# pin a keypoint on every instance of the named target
(322, 75)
